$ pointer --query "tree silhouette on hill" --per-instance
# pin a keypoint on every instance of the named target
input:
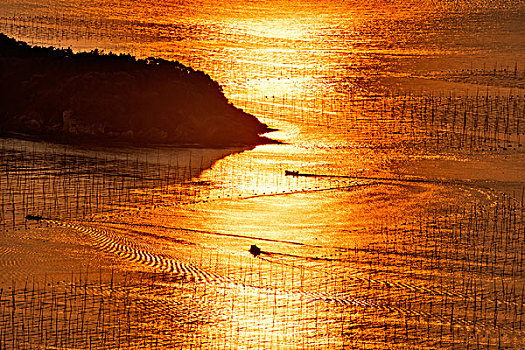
(90, 97)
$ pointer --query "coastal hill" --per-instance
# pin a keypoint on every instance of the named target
(57, 95)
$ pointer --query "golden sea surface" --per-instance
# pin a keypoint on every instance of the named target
(402, 227)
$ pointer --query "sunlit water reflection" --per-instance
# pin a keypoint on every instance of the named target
(411, 113)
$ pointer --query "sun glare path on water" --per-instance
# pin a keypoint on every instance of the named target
(390, 215)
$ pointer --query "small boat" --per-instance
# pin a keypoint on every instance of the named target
(34, 217)
(291, 173)
(256, 251)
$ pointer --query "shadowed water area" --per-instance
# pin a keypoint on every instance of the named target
(390, 216)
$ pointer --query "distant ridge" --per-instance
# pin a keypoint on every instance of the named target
(55, 95)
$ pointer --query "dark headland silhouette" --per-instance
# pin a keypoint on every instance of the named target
(55, 95)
